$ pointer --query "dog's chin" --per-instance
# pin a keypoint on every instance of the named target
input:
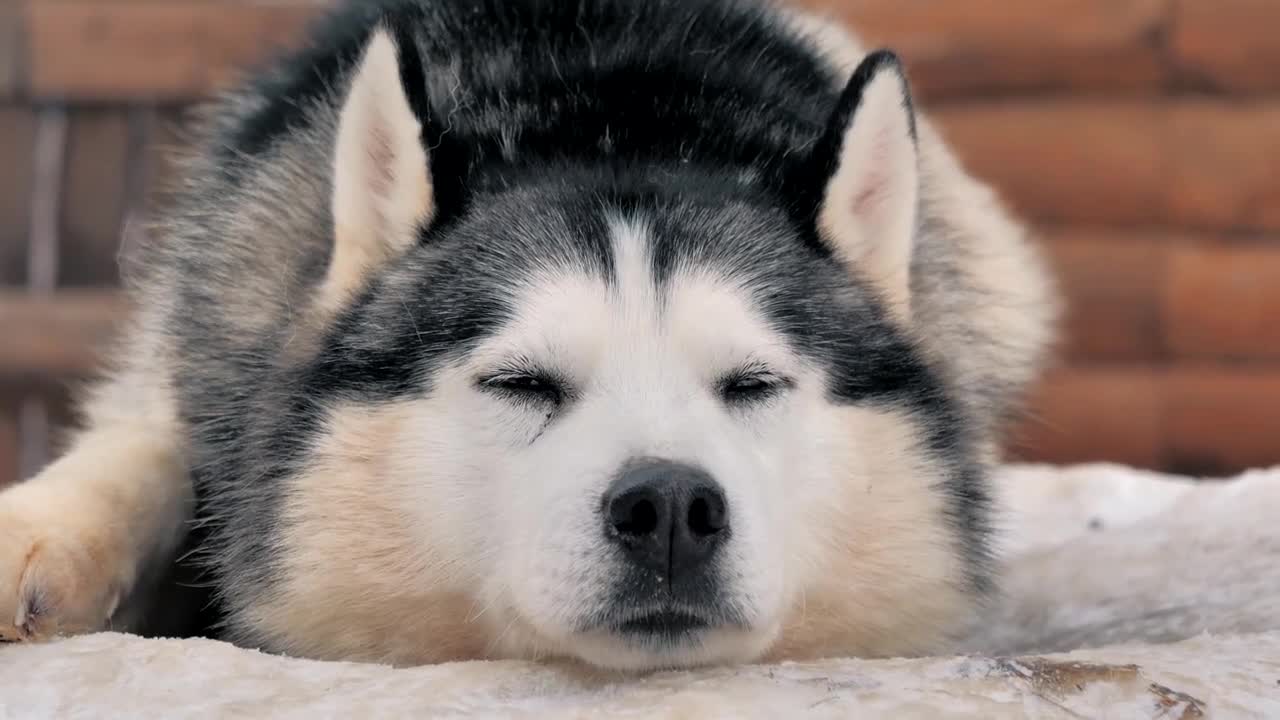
(621, 634)
(667, 642)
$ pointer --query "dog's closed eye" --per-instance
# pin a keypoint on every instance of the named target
(751, 384)
(526, 384)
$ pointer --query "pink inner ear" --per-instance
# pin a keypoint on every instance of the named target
(381, 155)
(870, 196)
(874, 180)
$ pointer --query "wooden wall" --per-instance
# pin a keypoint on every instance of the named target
(1142, 138)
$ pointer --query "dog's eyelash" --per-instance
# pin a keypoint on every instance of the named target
(525, 384)
(751, 384)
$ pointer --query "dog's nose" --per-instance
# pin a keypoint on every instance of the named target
(668, 517)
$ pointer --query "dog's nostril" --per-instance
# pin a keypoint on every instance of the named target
(640, 518)
(706, 517)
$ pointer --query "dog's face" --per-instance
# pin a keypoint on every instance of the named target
(663, 467)
(643, 419)
(637, 467)
(642, 437)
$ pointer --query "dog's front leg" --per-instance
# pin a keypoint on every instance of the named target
(76, 539)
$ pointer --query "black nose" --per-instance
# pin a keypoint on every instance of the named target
(668, 517)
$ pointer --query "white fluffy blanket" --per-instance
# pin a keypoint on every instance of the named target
(1167, 592)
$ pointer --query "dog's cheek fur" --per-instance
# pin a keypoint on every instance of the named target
(874, 569)
(375, 564)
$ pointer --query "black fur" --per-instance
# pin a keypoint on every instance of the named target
(674, 82)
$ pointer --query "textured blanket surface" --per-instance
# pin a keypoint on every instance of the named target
(1128, 595)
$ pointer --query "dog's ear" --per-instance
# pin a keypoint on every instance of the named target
(868, 161)
(382, 191)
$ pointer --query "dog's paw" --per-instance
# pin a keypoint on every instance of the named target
(57, 573)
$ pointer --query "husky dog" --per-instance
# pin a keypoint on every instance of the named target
(646, 334)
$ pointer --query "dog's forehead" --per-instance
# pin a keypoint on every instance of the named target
(696, 308)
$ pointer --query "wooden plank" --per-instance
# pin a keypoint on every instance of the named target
(56, 336)
(1067, 161)
(1208, 420)
(1224, 303)
(106, 50)
(1226, 46)
(17, 137)
(12, 48)
(180, 49)
(9, 444)
(1096, 415)
(1143, 297)
(1112, 283)
(94, 196)
(1227, 164)
(988, 47)
(90, 50)
(1223, 420)
(1182, 163)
